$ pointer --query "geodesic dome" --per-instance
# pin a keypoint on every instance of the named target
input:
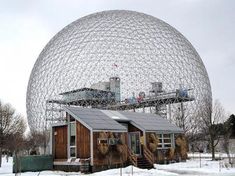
(136, 47)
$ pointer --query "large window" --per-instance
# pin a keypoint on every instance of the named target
(165, 141)
(72, 138)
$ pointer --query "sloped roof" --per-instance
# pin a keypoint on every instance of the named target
(98, 119)
(151, 122)
(94, 119)
(144, 121)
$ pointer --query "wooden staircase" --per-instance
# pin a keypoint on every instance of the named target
(132, 158)
(145, 162)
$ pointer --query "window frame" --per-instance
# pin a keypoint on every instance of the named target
(102, 139)
(162, 144)
(114, 141)
(71, 120)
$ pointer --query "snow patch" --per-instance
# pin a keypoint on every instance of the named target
(191, 167)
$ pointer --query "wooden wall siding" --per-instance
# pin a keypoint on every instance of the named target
(117, 154)
(60, 141)
(158, 154)
(83, 141)
(168, 154)
(148, 137)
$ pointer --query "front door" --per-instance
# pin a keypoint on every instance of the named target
(134, 142)
(60, 142)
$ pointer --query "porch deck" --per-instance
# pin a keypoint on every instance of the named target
(65, 162)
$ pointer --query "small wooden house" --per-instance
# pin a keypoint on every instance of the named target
(94, 139)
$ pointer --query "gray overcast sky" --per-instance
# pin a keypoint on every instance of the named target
(26, 26)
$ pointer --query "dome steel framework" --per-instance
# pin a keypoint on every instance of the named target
(137, 48)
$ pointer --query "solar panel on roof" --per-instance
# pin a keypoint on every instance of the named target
(105, 119)
(151, 122)
(95, 119)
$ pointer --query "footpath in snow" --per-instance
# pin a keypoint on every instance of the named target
(189, 168)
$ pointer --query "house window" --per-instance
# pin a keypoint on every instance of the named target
(72, 152)
(102, 141)
(72, 133)
(165, 141)
(72, 138)
(113, 141)
(108, 141)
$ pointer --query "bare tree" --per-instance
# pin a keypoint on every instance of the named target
(183, 119)
(195, 138)
(1, 132)
(12, 126)
(34, 140)
(209, 118)
(227, 133)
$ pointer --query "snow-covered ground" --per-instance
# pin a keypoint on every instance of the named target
(208, 155)
(191, 167)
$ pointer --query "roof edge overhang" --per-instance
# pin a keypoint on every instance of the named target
(77, 118)
(59, 124)
(164, 131)
(137, 126)
(107, 130)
